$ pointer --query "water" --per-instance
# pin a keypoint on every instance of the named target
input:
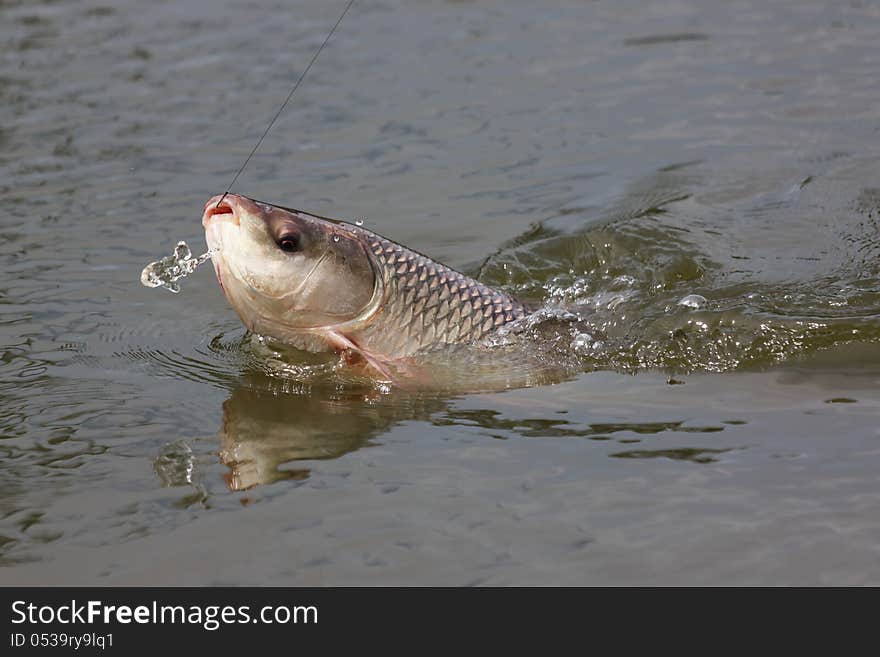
(170, 269)
(604, 161)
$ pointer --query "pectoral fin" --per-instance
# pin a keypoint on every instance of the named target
(353, 353)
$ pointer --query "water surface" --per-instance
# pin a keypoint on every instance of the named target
(604, 160)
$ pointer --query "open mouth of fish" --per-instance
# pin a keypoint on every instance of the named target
(222, 210)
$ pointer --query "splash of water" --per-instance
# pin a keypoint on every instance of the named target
(167, 271)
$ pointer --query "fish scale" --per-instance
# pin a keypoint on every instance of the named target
(427, 303)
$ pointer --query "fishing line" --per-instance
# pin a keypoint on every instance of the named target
(287, 100)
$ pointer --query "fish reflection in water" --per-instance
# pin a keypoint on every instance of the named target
(264, 434)
(261, 432)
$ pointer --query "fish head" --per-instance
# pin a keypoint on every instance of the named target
(284, 270)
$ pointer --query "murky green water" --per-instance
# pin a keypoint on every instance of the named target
(605, 160)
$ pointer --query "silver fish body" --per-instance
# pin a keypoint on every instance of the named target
(322, 284)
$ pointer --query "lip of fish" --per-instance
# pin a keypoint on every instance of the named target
(224, 211)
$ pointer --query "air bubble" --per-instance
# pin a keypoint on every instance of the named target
(358, 222)
(694, 301)
(336, 238)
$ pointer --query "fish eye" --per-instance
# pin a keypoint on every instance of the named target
(288, 243)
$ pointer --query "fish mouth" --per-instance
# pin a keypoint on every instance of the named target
(221, 208)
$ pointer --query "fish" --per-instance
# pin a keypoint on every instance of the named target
(320, 284)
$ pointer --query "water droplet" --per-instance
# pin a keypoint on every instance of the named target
(694, 301)
(164, 272)
(182, 251)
